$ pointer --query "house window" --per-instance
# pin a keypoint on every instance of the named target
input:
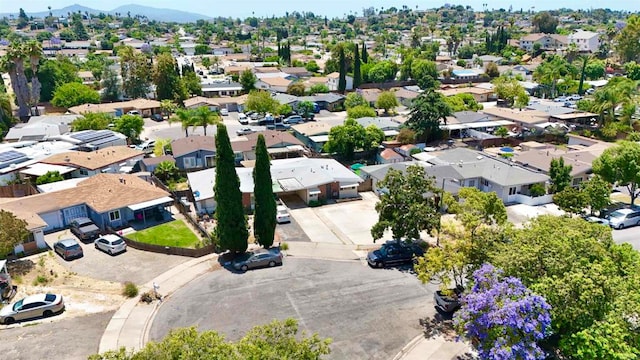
(485, 182)
(576, 182)
(30, 238)
(472, 183)
(84, 172)
(114, 215)
(210, 161)
(189, 162)
(512, 191)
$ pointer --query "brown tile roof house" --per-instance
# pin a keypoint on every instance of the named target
(371, 95)
(137, 104)
(190, 144)
(540, 159)
(150, 163)
(316, 80)
(94, 160)
(276, 81)
(520, 117)
(279, 144)
(266, 69)
(297, 71)
(198, 101)
(102, 193)
(389, 156)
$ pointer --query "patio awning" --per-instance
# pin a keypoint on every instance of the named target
(150, 203)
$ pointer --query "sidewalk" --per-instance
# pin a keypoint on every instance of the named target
(436, 348)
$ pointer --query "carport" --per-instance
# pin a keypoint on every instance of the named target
(144, 210)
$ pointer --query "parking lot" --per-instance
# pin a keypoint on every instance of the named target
(133, 265)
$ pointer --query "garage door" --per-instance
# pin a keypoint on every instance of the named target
(53, 220)
(74, 213)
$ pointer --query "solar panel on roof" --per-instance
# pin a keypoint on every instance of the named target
(11, 155)
(92, 135)
(109, 139)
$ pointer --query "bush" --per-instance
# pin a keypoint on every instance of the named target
(537, 190)
(40, 280)
(130, 290)
(284, 246)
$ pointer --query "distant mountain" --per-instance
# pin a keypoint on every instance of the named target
(150, 12)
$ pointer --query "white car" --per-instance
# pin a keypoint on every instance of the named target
(224, 112)
(32, 307)
(111, 244)
(282, 215)
(245, 131)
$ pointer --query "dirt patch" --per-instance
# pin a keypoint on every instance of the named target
(83, 295)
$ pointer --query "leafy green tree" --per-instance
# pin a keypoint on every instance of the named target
(544, 22)
(406, 136)
(357, 73)
(510, 91)
(167, 79)
(387, 100)
(110, 85)
(374, 136)
(277, 340)
(92, 121)
(166, 170)
(594, 70)
(426, 112)
(342, 79)
(6, 113)
(477, 208)
(560, 175)
(49, 177)
(191, 83)
(73, 94)
(168, 107)
(404, 205)
(13, 232)
(354, 99)
(264, 220)
(129, 125)
(571, 200)
(248, 81)
(345, 139)
(206, 62)
(305, 108)
(54, 73)
(204, 117)
(262, 102)
(283, 109)
(383, 71)
(296, 89)
(502, 132)
(135, 72)
(425, 73)
(365, 54)
(202, 49)
(231, 223)
(491, 70)
(462, 102)
(78, 27)
(162, 147)
(620, 165)
(628, 40)
(312, 66)
(360, 111)
(632, 69)
(318, 89)
(598, 193)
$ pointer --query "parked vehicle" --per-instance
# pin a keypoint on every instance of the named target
(157, 117)
(394, 252)
(245, 131)
(257, 258)
(32, 306)
(68, 249)
(146, 147)
(254, 116)
(84, 228)
(111, 244)
(574, 97)
(224, 112)
(561, 99)
(243, 119)
(133, 112)
(282, 215)
(278, 127)
(595, 219)
(448, 302)
(293, 119)
(590, 91)
(622, 218)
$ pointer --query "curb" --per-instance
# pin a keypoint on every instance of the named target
(407, 348)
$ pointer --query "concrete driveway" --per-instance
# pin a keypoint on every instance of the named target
(133, 265)
(369, 313)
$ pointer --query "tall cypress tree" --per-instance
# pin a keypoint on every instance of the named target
(264, 220)
(365, 55)
(357, 74)
(231, 226)
(342, 80)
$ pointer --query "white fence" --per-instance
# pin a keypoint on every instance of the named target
(533, 201)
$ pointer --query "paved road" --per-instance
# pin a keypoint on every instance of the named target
(369, 313)
(629, 235)
(69, 339)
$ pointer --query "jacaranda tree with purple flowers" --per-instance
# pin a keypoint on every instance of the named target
(503, 318)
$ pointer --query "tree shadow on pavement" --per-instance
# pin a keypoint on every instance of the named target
(441, 325)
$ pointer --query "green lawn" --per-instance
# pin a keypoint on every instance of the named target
(174, 233)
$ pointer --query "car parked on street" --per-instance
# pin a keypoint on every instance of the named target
(68, 249)
(293, 119)
(31, 307)
(257, 258)
(394, 252)
(282, 215)
(245, 131)
(623, 218)
(278, 127)
(146, 147)
(84, 229)
(111, 244)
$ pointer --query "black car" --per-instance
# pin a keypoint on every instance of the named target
(278, 127)
(394, 252)
(84, 229)
(157, 117)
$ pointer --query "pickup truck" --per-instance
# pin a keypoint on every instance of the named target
(84, 229)
(394, 252)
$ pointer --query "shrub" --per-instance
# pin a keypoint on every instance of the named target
(40, 280)
(130, 290)
(537, 190)
(284, 246)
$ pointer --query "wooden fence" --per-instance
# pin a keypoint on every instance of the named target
(17, 190)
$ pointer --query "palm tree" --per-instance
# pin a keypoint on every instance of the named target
(185, 117)
(33, 50)
(203, 116)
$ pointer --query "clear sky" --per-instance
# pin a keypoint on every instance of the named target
(244, 8)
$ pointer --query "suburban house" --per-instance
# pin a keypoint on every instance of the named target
(405, 96)
(308, 83)
(20, 156)
(586, 41)
(89, 140)
(194, 152)
(334, 78)
(479, 94)
(312, 134)
(467, 74)
(370, 95)
(151, 163)
(523, 119)
(328, 101)
(40, 127)
(114, 159)
(275, 83)
(310, 179)
(145, 107)
(388, 156)
(299, 71)
(389, 126)
(112, 200)
(216, 89)
(200, 101)
(473, 124)
(280, 145)
(548, 42)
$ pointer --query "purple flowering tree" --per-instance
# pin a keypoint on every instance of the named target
(503, 318)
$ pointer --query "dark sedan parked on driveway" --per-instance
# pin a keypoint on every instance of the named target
(84, 229)
(394, 252)
(257, 258)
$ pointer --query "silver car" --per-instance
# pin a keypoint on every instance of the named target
(111, 244)
(68, 249)
(32, 307)
(257, 258)
(623, 218)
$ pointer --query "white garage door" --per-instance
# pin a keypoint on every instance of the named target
(53, 220)
(74, 213)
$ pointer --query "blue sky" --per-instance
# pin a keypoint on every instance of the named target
(243, 8)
